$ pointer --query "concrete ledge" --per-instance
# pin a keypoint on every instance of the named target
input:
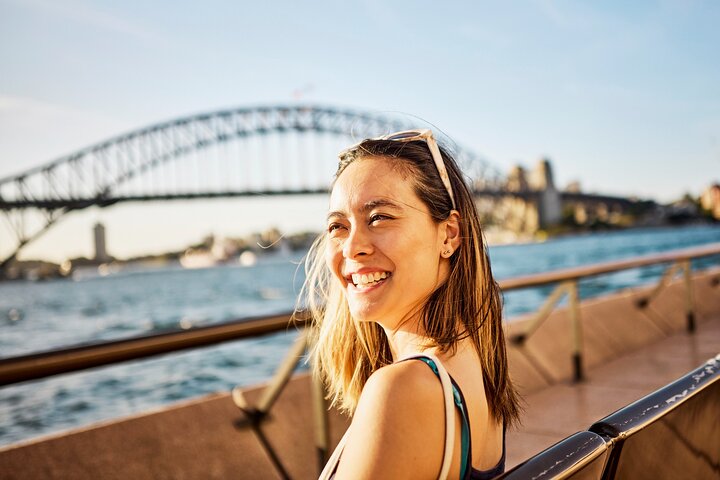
(611, 325)
(195, 440)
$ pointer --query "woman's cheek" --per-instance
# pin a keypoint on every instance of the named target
(333, 256)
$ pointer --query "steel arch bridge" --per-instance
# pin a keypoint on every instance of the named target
(112, 171)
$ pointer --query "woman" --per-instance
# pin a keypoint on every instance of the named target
(401, 291)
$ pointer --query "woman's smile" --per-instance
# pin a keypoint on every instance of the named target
(363, 282)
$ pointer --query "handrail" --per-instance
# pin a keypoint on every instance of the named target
(65, 360)
(567, 280)
(575, 273)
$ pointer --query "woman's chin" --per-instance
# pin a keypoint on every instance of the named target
(364, 315)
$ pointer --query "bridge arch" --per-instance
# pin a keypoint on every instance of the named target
(93, 176)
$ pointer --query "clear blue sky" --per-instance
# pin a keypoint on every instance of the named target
(622, 96)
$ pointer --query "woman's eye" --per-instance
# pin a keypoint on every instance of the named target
(377, 217)
(334, 227)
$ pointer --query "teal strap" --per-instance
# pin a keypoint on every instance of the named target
(465, 430)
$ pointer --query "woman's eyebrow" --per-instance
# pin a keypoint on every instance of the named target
(335, 214)
(380, 202)
(368, 206)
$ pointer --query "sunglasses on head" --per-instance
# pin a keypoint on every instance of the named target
(426, 136)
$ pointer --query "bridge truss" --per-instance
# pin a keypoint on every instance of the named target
(227, 153)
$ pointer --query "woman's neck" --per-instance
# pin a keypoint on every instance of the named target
(406, 342)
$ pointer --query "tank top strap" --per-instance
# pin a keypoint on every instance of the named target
(465, 459)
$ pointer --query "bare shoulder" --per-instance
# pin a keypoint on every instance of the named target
(398, 428)
(405, 382)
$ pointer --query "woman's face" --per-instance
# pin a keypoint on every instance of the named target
(384, 247)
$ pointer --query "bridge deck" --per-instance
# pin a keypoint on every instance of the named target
(560, 410)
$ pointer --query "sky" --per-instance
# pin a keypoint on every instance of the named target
(621, 96)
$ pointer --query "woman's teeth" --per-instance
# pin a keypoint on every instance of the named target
(365, 280)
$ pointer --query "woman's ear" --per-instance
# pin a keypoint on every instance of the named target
(451, 234)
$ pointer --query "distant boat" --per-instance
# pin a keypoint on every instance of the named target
(195, 258)
(247, 258)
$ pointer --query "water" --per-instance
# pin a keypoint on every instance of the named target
(59, 313)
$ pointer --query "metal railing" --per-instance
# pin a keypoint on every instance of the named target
(43, 364)
(70, 359)
(80, 357)
(567, 284)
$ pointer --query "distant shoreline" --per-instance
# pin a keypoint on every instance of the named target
(34, 270)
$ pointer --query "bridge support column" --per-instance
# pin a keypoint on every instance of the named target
(550, 207)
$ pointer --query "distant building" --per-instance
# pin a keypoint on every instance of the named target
(100, 249)
(541, 178)
(536, 203)
(542, 212)
(517, 180)
(710, 200)
(573, 187)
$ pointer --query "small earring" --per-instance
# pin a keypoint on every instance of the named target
(446, 253)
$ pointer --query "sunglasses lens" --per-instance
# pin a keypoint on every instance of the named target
(402, 136)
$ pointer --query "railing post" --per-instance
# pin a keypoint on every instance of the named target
(689, 300)
(541, 315)
(666, 277)
(277, 383)
(577, 343)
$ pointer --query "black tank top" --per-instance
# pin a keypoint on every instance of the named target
(470, 473)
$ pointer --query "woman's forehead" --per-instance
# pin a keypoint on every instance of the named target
(372, 181)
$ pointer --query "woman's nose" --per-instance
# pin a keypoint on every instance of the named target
(357, 243)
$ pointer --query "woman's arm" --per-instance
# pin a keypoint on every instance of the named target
(398, 430)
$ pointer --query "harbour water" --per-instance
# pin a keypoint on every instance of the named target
(36, 316)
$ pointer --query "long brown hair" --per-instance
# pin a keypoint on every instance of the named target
(346, 352)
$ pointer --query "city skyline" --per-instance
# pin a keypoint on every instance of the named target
(621, 97)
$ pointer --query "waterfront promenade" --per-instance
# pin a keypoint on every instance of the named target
(630, 352)
(557, 411)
